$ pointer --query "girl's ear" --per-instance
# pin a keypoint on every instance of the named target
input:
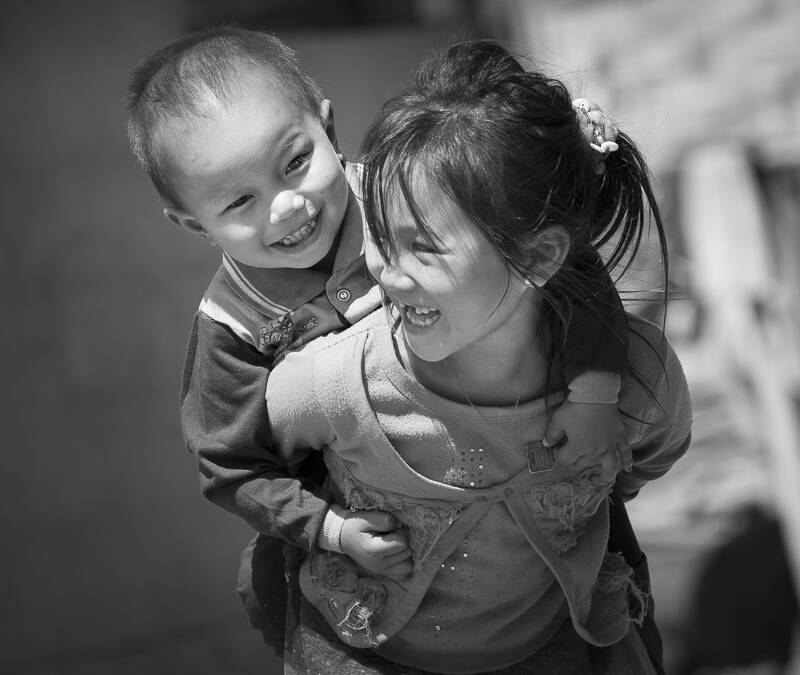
(549, 250)
(326, 115)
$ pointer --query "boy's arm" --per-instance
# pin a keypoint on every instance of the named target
(597, 339)
(593, 361)
(661, 430)
(225, 426)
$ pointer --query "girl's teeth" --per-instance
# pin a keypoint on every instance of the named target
(421, 316)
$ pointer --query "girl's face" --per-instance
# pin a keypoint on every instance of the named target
(453, 292)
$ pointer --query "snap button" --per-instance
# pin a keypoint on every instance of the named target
(343, 295)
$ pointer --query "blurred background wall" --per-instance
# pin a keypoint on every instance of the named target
(111, 561)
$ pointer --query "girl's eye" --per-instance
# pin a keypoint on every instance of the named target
(239, 202)
(297, 162)
(425, 247)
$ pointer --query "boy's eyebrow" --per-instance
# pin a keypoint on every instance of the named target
(286, 141)
(282, 143)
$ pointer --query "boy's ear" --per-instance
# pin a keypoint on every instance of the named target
(185, 221)
(550, 249)
(326, 115)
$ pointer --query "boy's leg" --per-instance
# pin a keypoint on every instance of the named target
(262, 588)
(622, 539)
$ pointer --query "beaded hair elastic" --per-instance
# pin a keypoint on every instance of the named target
(597, 128)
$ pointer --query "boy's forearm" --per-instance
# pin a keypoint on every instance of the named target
(274, 504)
(226, 428)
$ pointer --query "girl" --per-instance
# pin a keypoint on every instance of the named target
(437, 414)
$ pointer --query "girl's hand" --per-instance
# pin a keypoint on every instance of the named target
(592, 434)
(376, 542)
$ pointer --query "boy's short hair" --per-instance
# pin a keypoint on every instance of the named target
(175, 81)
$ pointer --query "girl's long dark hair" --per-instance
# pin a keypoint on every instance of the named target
(506, 146)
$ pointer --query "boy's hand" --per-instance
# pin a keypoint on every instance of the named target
(375, 540)
(592, 434)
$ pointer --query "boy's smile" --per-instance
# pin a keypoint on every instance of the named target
(259, 176)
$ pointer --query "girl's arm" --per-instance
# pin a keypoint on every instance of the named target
(373, 539)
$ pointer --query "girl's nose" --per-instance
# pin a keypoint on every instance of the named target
(393, 278)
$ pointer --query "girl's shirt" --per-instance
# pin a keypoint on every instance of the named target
(501, 555)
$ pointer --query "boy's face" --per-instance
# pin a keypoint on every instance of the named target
(259, 176)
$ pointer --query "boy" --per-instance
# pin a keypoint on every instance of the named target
(240, 144)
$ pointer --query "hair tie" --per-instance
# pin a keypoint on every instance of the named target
(597, 128)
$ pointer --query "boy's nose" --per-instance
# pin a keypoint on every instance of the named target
(289, 205)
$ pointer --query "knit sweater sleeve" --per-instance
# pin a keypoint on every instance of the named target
(655, 397)
(297, 419)
(225, 426)
(299, 426)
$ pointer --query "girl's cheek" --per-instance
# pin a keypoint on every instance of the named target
(373, 259)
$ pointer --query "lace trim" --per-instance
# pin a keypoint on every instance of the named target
(563, 509)
(353, 599)
(616, 576)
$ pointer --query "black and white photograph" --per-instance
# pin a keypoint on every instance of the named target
(414, 337)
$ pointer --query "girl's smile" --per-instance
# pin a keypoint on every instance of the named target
(456, 296)
(419, 317)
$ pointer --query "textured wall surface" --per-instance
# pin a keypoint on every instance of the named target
(676, 72)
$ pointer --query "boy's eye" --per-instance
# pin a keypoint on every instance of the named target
(239, 202)
(297, 162)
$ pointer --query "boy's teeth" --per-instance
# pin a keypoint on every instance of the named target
(300, 235)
